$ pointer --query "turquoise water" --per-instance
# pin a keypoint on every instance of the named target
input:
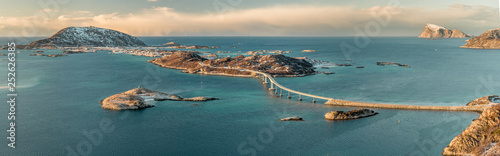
(59, 99)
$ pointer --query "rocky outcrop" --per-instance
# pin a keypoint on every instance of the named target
(51, 55)
(174, 45)
(293, 118)
(436, 31)
(480, 136)
(199, 99)
(353, 114)
(309, 51)
(87, 36)
(73, 52)
(487, 100)
(459, 34)
(392, 63)
(278, 65)
(139, 98)
(171, 44)
(487, 40)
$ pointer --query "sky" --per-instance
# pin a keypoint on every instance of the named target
(31, 18)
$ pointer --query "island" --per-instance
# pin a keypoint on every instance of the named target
(51, 55)
(292, 118)
(480, 137)
(276, 65)
(87, 36)
(174, 45)
(436, 31)
(309, 51)
(487, 40)
(392, 63)
(140, 98)
(353, 114)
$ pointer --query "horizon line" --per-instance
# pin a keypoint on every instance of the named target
(229, 36)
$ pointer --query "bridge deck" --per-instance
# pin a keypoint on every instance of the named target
(336, 102)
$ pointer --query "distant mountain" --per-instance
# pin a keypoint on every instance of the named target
(436, 31)
(88, 36)
(487, 40)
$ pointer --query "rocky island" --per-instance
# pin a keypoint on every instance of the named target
(139, 98)
(392, 63)
(87, 36)
(174, 45)
(482, 136)
(353, 114)
(436, 31)
(487, 40)
(309, 51)
(277, 65)
(292, 118)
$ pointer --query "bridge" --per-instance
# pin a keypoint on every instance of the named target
(275, 86)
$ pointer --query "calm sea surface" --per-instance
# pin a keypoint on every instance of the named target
(58, 106)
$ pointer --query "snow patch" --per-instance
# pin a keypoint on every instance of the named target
(434, 27)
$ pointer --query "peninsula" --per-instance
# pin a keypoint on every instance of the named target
(487, 40)
(483, 135)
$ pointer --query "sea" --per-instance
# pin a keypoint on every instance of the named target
(58, 100)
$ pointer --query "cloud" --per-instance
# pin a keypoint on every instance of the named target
(152, 0)
(275, 20)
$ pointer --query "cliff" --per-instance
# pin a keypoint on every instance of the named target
(87, 36)
(436, 31)
(480, 137)
(487, 40)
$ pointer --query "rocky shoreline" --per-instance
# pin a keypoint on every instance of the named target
(480, 137)
(487, 40)
(353, 114)
(139, 98)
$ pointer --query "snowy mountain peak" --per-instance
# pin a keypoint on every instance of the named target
(88, 36)
(435, 27)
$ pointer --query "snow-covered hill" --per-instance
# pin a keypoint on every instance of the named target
(88, 36)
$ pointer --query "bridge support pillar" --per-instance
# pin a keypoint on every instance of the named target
(300, 97)
(265, 80)
(272, 87)
(314, 100)
(289, 97)
(281, 92)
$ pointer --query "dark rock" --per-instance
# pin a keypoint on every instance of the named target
(392, 63)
